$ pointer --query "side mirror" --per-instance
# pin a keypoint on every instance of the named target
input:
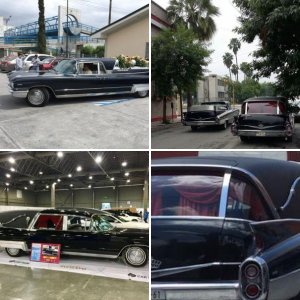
(291, 194)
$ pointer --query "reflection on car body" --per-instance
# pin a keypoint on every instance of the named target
(225, 228)
(79, 232)
(69, 80)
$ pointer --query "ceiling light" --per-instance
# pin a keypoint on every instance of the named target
(58, 180)
(60, 154)
(11, 160)
(8, 175)
(31, 181)
(127, 174)
(91, 177)
(71, 185)
(124, 163)
(6, 183)
(70, 175)
(13, 169)
(41, 173)
(79, 168)
(98, 159)
(47, 186)
(25, 187)
(128, 180)
(90, 186)
(112, 178)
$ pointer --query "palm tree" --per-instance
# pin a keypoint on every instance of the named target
(41, 33)
(196, 15)
(235, 71)
(235, 45)
(227, 60)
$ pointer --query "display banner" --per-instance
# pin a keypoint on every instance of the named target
(48, 253)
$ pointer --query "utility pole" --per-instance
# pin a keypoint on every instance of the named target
(67, 41)
(109, 14)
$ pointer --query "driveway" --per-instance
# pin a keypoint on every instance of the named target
(112, 122)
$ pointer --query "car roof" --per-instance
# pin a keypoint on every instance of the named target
(277, 176)
(66, 211)
(266, 98)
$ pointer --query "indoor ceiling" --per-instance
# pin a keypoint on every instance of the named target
(39, 170)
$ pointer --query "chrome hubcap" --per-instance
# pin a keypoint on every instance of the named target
(36, 96)
(136, 256)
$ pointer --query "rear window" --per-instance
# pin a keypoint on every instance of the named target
(264, 107)
(186, 194)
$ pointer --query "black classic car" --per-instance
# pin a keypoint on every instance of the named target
(80, 77)
(217, 113)
(79, 232)
(264, 117)
(225, 228)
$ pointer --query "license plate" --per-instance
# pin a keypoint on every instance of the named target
(158, 295)
(261, 133)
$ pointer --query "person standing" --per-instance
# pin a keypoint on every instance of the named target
(19, 63)
(146, 215)
(36, 63)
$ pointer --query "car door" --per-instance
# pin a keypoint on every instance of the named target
(186, 224)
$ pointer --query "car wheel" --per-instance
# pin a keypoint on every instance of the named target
(14, 252)
(38, 97)
(244, 138)
(135, 256)
(141, 94)
(194, 128)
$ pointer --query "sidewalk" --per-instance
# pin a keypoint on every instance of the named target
(158, 126)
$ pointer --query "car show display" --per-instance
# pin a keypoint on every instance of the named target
(225, 227)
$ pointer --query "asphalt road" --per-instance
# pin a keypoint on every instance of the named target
(114, 122)
(177, 136)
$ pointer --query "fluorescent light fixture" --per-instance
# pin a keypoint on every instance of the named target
(13, 169)
(112, 178)
(124, 163)
(91, 177)
(98, 159)
(7, 175)
(79, 169)
(60, 154)
(31, 181)
(70, 175)
(126, 174)
(11, 160)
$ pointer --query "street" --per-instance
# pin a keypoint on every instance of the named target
(107, 122)
(177, 136)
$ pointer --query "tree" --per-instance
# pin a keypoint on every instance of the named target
(235, 70)
(196, 15)
(247, 69)
(87, 50)
(42, 48)
(235, 45)
(276, 24)
(177, 61)
(227, 60)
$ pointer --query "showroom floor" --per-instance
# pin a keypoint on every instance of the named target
(22, 283)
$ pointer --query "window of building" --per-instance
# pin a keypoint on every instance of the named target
(221, 95)
(221, 82)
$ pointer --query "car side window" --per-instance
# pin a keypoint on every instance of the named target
(245, 201)
(48, 221)
(186, 194)
(102, 69)
(78, 223)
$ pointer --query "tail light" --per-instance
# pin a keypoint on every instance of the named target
(253, 279)
(234, 128)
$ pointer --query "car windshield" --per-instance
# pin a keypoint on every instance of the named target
(100, 224)
(47, 60)
(66, 67)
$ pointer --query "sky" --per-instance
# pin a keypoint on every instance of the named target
(225, 22)
(93, 12)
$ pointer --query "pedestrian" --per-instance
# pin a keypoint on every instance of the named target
(19, 63)
(146, 215)
(36, 63)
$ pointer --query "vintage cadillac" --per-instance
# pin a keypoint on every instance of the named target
(225, 228)
(218, 113)
(80, 233)
(264, 117)
(80, 77)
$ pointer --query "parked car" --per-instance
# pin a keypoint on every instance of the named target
(79, 233)
(8, 63)
(124, 215)
(264, 117)
(217, 113)
(82, 77)
(225, 228)
(50, 62)
(27, 61)
(294, 106)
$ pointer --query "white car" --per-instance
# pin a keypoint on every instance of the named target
(27, 62)
(122, 223)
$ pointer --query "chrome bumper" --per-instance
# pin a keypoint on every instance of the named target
(19, 94)
(209, 291)
(200, 123)
(263, 133)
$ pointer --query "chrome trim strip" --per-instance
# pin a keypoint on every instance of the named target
(19, 94)
(90, 95)
(98, 88)
(224, 194)
(188, 286)
(89, 254)
(177, 270)
(14, 244)
(291, 194)
(260, 186)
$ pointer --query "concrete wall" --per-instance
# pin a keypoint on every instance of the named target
(84, 198)
(17, 198)
(131, 40)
